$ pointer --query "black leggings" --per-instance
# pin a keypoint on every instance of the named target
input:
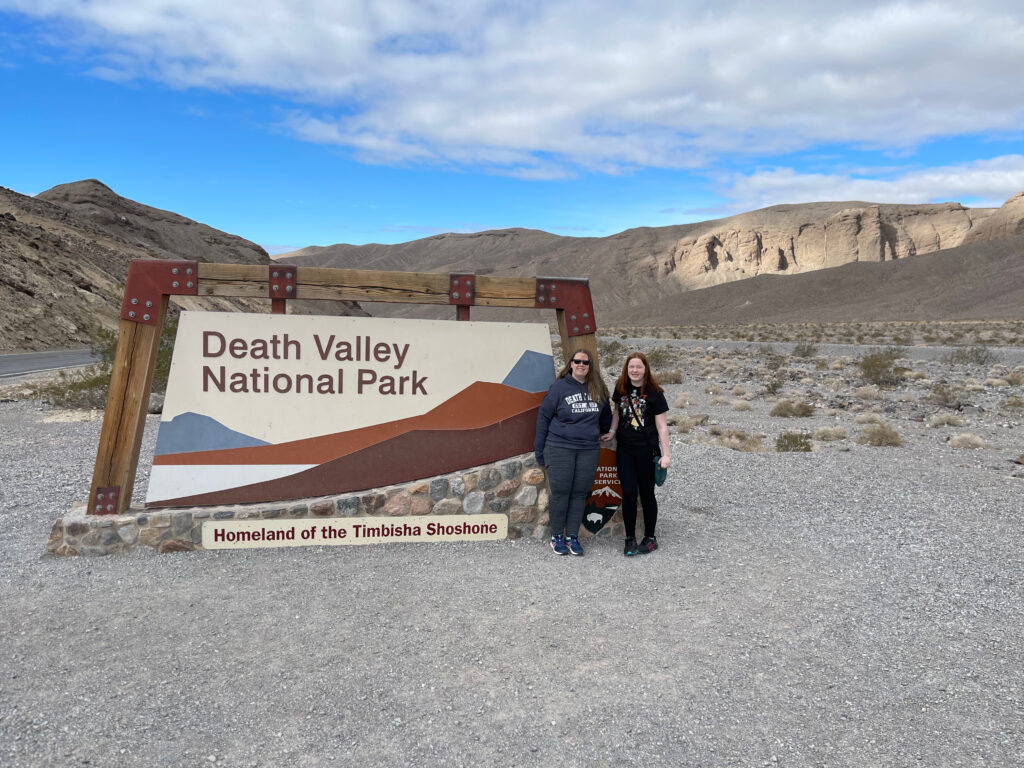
(636, 473)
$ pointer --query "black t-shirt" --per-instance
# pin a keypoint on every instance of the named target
(636, 417)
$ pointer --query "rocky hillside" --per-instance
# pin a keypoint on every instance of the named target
(64, 256)
(654, 267)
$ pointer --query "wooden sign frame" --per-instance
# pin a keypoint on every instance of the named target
(151, 283)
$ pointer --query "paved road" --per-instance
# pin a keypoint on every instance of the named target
(24, 363)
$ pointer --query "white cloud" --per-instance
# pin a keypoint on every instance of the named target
(542, 89)
(986, 183)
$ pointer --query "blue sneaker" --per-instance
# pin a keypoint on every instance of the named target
(558, 544)
(574, 546)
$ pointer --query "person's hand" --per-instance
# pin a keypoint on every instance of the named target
(607, 436)
(665, 461)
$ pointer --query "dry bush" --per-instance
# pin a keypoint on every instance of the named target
(1014, 379)
(867, 393)
(793, 442)
(879, 367)
(1013, 401)
(685, 425)
(674, 418)
(966, 440)
(788, 409)
(713, 389)
(880, 435)
(738, 391)
(996, 383)
(741, 405)
(829, 434)
(917, 375)
(674, 376)
(944, 395)
(833, 384)
(867, 418)
(737, 440)
(719, 400)
(945, 420)
(683, 399)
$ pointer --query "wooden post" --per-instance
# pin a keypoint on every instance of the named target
(131, 381)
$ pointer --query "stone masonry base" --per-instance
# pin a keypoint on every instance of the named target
(516, 487)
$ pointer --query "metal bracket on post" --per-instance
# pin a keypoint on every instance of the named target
(149, 280)
(281, 285)
(106, 500)
(462, 293)
(571, 295)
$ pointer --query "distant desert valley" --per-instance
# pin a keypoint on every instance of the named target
(65, 254)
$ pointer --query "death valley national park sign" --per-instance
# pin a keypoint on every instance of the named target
(271, 407)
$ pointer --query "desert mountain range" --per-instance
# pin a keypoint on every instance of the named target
(655, 274)
(64, 255)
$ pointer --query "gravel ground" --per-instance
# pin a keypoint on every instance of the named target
(854, 606)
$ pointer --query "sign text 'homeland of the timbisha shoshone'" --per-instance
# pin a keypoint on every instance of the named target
(243, 534)
(271, 407)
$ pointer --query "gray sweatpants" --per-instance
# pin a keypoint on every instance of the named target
(570, 478)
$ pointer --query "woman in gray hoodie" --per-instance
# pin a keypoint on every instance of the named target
(573, 415)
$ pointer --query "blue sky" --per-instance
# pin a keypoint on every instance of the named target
(318, 122)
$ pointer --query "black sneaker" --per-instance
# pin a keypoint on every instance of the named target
(649, 544)
(631, 548)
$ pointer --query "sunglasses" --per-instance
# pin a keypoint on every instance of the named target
(581, 362)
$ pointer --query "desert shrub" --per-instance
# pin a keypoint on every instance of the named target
(1014, 379)
(944, 395)
(966, 440)
(713, 389)
(686, 424)
(945, 420)
(772, 359)
(829, 434)
(738, 391)
(971, 356)
(773, 387)
(997, 383)
(1013, 401)
(737, 440)
(718, 400)
(683, 399)
(880, 435)
(879, 367)
(867, 393)
(87, 387)
(672, 376)
(741, 405)
(868, 418)
(788, 409)
(792, 442)
(805, 349)
(660, 357)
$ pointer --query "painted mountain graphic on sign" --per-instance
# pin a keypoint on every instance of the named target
(533, 372)
(607, 492)
(483, 423)
(193, 431)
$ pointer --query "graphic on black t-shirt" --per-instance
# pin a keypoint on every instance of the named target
(635, 408)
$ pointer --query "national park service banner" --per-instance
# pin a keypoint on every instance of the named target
(271, 407)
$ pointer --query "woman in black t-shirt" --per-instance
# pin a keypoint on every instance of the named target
(640, 422)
